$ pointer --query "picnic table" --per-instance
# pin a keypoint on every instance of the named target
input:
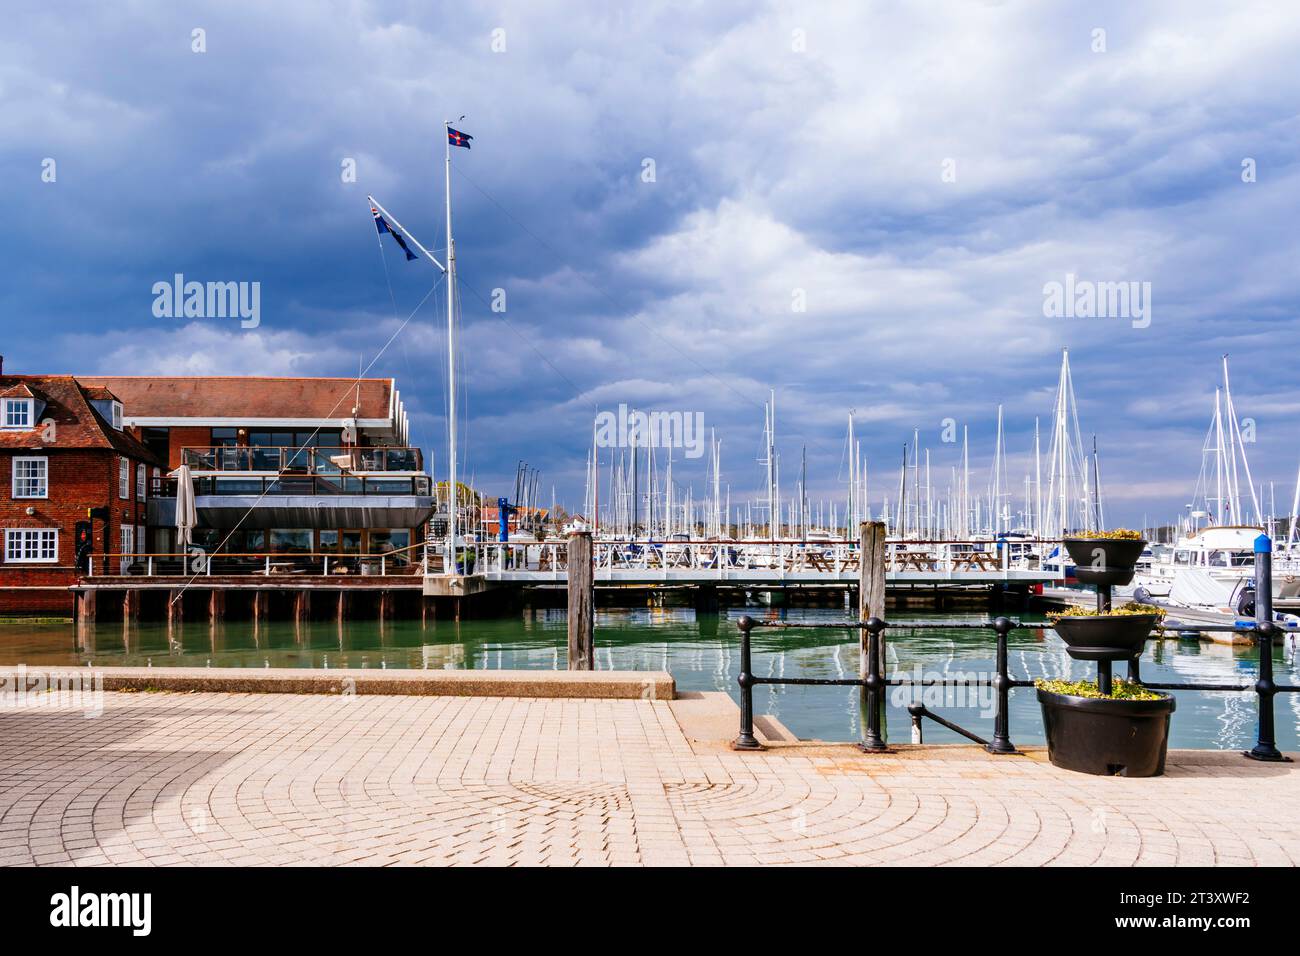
(976, 561)
(914, 560)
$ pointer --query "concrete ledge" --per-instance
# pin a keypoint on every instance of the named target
(604, 685)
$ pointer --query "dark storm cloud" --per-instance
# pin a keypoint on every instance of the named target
(795, 149)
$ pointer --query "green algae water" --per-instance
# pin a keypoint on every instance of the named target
(702, 653)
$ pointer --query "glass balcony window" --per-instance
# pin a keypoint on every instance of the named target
(291, 540)
(388, 486)
(238, 486)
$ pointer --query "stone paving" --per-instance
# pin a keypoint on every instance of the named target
(214, 778)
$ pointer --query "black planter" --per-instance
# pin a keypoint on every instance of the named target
(1126, 738)
(1104, 560)
(1115, 637)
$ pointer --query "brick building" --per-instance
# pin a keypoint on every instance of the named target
(285, 470)
(63, 451)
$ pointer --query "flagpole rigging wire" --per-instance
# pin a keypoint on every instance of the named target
(266, 488)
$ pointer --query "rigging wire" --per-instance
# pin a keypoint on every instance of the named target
(266, 488)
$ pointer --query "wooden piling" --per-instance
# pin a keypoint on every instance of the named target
(260, 606)
(175, 609)
(301, 606)
(131, 605)
(216, 605)
(85, 609)
(871, 600)
(343, 605)
(582, 602)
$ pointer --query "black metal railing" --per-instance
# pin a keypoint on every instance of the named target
(875, 684)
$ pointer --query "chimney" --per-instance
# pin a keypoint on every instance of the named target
(2, 364)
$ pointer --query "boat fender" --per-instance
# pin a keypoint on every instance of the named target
(1142, 595)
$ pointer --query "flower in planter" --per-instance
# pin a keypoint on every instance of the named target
(1132, 608)
(1120, 689)
(1117, 534)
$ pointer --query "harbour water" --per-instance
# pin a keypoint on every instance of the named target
(702, 653)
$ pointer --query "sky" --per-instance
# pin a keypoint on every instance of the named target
(858, 206)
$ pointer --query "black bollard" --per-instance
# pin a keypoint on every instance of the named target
(746, 740)
(1002, 684)
(1265, 690)
(873, 742)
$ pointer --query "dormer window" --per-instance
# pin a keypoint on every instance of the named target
(17, 413)
(117, 415)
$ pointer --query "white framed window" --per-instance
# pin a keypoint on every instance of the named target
(141, 474)
(31, 478)
(117, 415)
(128, 546)
(31, 545)
(17, 413)
(123, 478)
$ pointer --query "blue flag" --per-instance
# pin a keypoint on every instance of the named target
(381, 225)
(457, 138)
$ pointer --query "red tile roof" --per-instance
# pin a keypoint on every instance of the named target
(76, 423)
(248, 397)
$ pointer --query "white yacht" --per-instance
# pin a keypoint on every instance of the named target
(1225, 553)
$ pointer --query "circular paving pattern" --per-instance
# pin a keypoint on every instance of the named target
(267, 779)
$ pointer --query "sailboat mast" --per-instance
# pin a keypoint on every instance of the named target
(964, 524)
(1096, 485)
(1061, 439)
(1218, 458)
(997, 479)
(1295, 510)
(1038, 485)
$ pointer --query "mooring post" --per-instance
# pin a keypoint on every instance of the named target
(871, 606)
(1265, 690)
(582, 602)
(1002, 684)
(746, 740)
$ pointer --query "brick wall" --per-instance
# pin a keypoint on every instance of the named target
(187, 437)
(78, 479)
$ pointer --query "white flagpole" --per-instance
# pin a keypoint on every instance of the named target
(451, 365)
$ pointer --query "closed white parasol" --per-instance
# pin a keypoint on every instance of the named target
(186, 514)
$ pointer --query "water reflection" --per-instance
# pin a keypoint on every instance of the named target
(701, 651)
